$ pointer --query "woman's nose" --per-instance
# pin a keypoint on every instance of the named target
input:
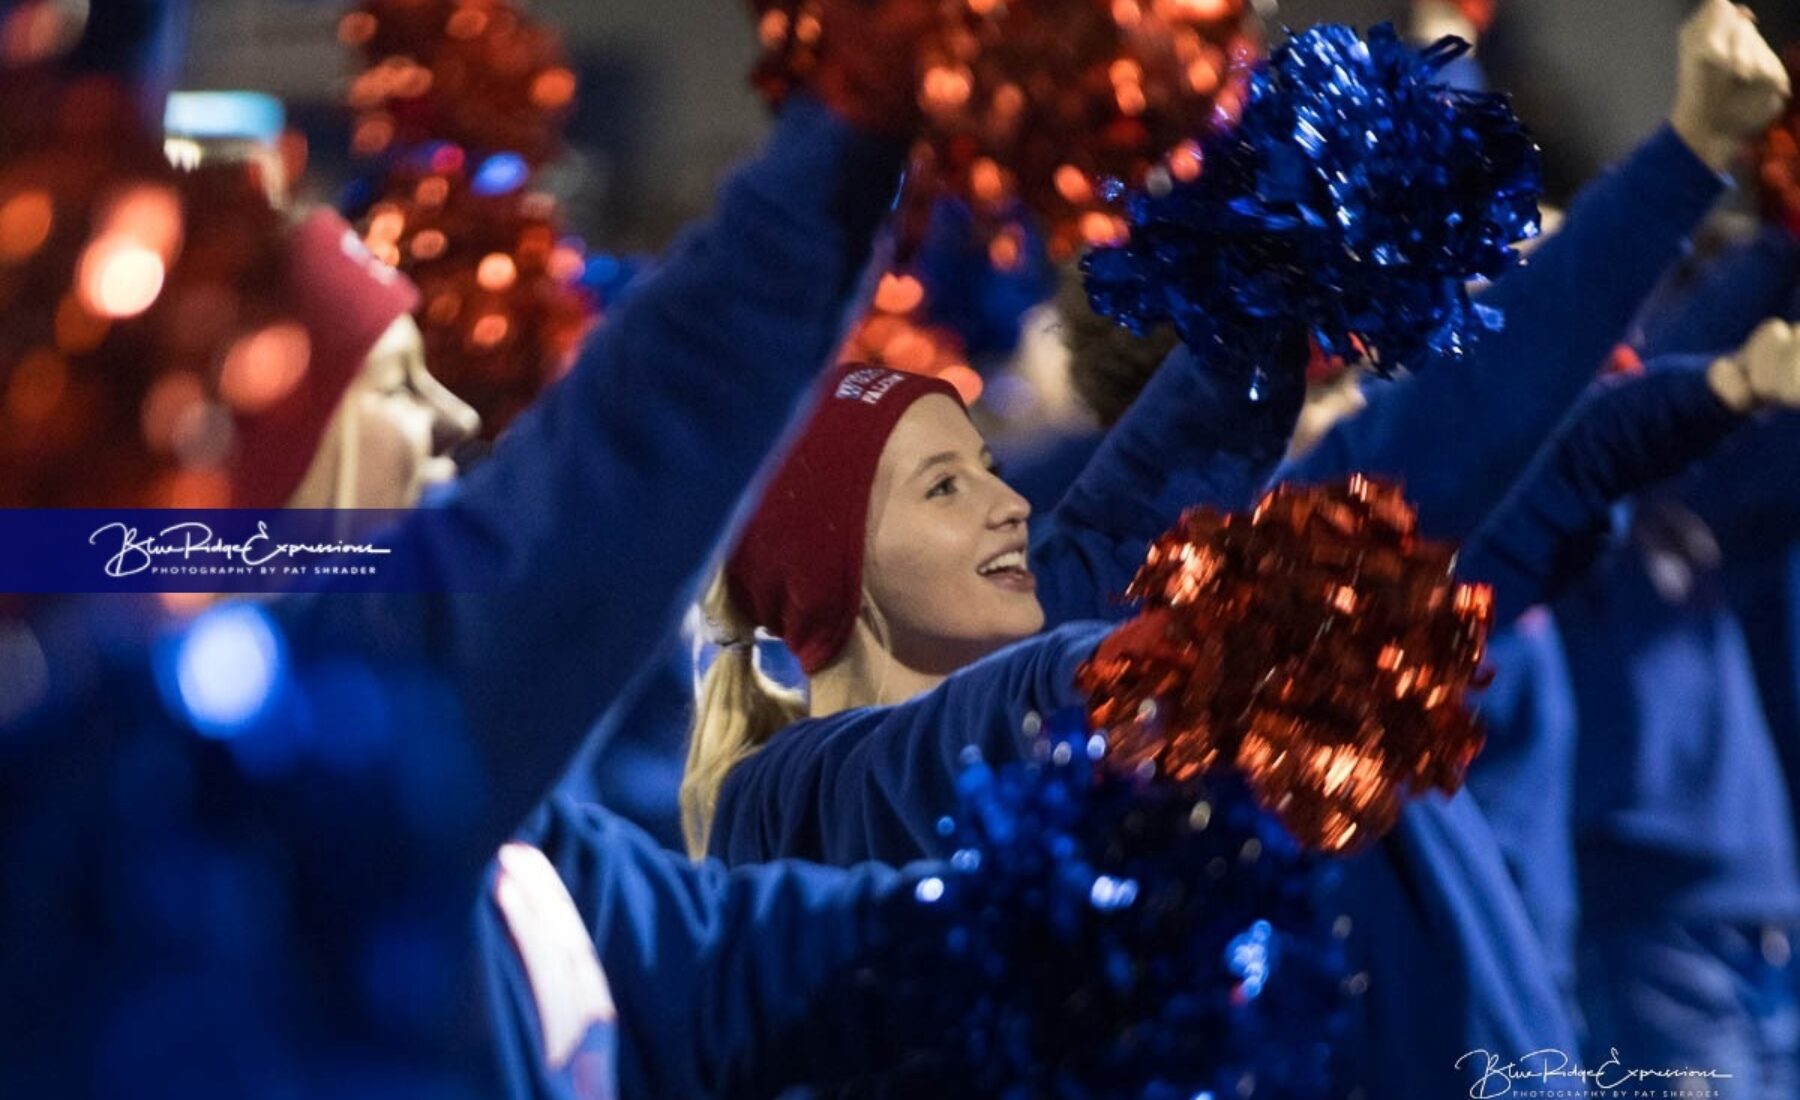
(1011, 509)
(452, 423)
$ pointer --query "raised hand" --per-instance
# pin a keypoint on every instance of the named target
(1729, 83)
(1764, 373)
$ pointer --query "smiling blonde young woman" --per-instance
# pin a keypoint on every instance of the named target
(887, 552)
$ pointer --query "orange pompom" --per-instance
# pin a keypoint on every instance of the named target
(1778, 160)
(1318, 645)
(144, 308)
(500, 303)
(476, 73)
(1032, 106)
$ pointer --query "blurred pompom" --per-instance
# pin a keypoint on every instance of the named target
(1353, 201)
(476, 73)
(33, 32)
(1103, 936)
(1318, 646)
(502, 304)
(1029, 108)
(461, 103)
(959, 305)
(1479, 13)
(142, 310)
(896, 331)
(1778, 160)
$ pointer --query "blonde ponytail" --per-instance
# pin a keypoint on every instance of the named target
(737, 712)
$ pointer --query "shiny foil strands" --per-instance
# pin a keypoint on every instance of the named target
(1318, 646)
(1778, 160)
(501, 303)
(1352, 203)
(476, 73)
(458, 106)
(1034, 108)
(1102, 936)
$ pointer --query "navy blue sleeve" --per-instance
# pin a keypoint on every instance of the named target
(873, 783)
(1194, 436)
(1718, 311)
(1458, 434)
(561, 558)
(727, 983)
(1625, 436)
(1749, 493)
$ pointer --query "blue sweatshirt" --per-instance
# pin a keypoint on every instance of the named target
(1458, 434)
(1665, 684)
(1681, 810)
(742, 982)
(1626, 435)
(1747, 496)
(1194, 436)
(873, 782)
(284, 907)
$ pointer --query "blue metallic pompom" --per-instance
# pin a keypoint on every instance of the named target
(1353, 201)
(1124, 939)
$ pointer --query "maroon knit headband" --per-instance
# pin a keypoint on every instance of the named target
(797, 567)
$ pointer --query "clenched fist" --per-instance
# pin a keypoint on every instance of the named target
(1729, 84)
(1764, 373)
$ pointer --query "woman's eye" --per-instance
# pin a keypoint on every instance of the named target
(942, 487)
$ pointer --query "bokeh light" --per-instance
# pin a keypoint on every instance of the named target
(226, 667)
(265, 366)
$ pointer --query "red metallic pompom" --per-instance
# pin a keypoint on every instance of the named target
(451, 88)
(1028, 106)
(475, 73)
(1479, 13)
(1318, 645)
(143, 308)
(500, 303)
(1778, 160)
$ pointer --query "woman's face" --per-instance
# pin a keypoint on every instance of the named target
(392, 435)
(945, 564)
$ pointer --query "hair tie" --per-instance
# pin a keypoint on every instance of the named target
(724, 641)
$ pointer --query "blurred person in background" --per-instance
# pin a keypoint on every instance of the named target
(241, 851)
(1456, 433)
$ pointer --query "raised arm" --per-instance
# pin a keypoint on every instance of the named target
(557, 561)
(1458, 435)
(730, 983)
(874, 783)
(1624, 437)
(1193, 436)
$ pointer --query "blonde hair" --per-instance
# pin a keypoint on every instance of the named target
(737, 711)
